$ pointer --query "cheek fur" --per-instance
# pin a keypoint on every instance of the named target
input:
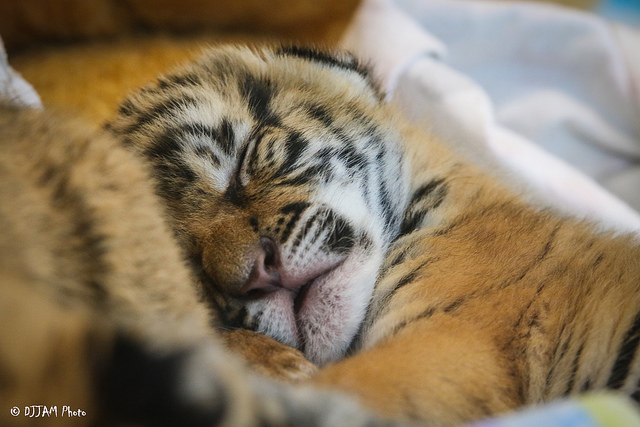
(337, 307)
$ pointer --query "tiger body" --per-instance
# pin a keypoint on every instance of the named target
(314, 214)
(494, 305)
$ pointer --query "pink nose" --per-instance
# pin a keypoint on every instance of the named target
(265, 274)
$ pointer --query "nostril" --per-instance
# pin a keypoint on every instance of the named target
(265, 273)
(271, 256)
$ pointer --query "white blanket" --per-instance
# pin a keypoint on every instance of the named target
(552, 93)
(13, 87)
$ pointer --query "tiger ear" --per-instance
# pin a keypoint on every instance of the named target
(338, 59)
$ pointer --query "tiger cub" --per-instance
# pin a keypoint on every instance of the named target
(314, 214)
(99, 313)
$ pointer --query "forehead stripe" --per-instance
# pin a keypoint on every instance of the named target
(257, 93)
(167, 108)
(295, 146)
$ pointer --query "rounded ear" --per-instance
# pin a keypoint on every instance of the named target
(335, 58)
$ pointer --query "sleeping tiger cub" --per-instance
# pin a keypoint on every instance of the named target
(314, 214)
(98, 314)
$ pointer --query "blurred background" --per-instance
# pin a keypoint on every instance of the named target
(551, 87)
(85, 55)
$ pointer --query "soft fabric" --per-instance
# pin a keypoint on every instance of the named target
(553, 93)
(12, 86)
(589, 410)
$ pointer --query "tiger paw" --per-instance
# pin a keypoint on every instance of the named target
(198, 384)
(268, 356)
(152, 388)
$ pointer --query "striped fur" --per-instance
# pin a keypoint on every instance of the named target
(245, 151)
(98, 310)
(452, 298)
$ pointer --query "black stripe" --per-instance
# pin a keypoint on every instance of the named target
(163, 84)
(586, 385)
(173, 174)
(223, 136)
(406, 279)
(226, 137)
(344, 61)
(89, 245)
(454, 305)
(127, 108)
(205, 153)
(549, 245)
(185, 80)
(598, 260)
(300, 236)
(424, 315)
(427, 197)
(626, 355)
(252, 158)
(322, 57)
(351, 157)
(546, 250)
(444, 230)
(166, 155)
(574, 370)
(325, 154)
(295, 207)
(425, 190)
(167, 108)
(295, 210)
(561, 349)
(197, 130)
(258, 93)
(398, 258)
(295, 146)
(387, 206)
(411, 276)
(341, 238)
(304, 176)
(386, 203)
(166, 146)
(636, 394)
(173, 179)
(322, 114)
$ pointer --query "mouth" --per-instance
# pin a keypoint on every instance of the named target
(301, 296)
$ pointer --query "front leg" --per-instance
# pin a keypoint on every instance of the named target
(442, 371)
(268, 356)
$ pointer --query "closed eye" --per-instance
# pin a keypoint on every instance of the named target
(246, 160)
(240, 177)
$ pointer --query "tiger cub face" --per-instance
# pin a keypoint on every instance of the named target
(283, 187)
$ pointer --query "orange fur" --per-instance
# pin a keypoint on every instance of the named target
(505, 289)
